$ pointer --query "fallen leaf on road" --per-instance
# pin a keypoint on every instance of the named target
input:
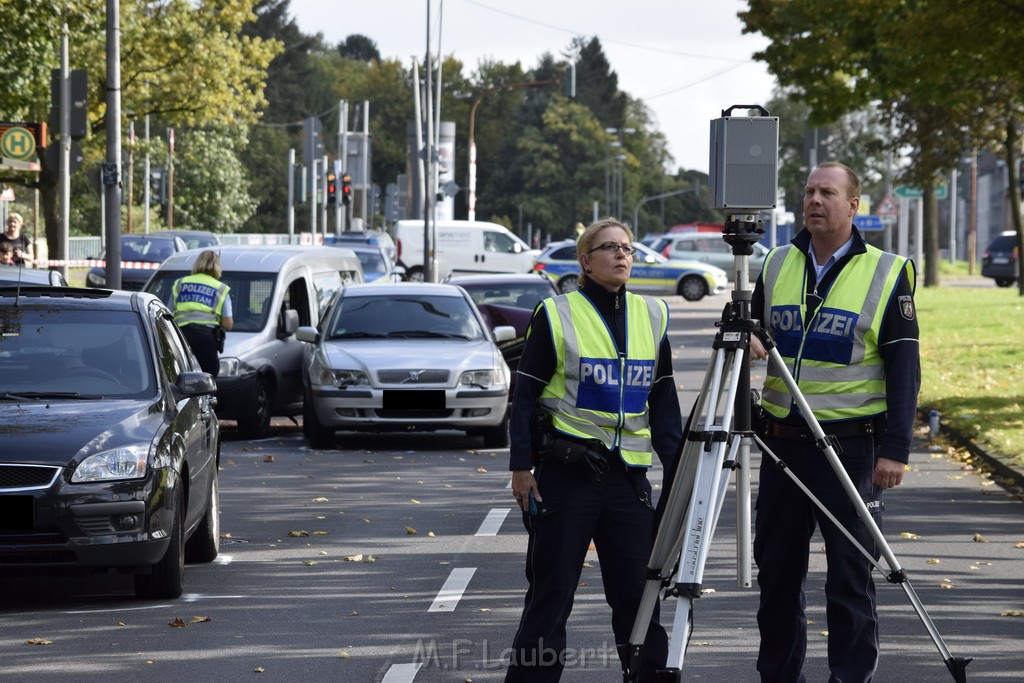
(296, 534)
(320, 533)
(946, 583)
(309, 563)
(485, 609)
(1019, 544)
(825, 633)
(353, 558)
(343, 654)
(353, 613)
(199, 620)
(268, 458)
(414, 501)
(121, 623)
(409, 530)
(366, 519)
(321, 517)
(430, 534)
(38, 641)
(259, 670)
(934, 561)
(178, 623)
(978, 538)
(1012, 613)
(908, 534)
(321, 499)
(481, 470)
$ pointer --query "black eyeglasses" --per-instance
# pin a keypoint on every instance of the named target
(612, 247)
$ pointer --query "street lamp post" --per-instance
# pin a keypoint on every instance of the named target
(615, 184)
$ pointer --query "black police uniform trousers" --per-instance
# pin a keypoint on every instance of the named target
(784, 522)
(575, 510)
(204, 345)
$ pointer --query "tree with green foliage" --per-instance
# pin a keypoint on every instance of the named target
(186, 63)
(218, 199)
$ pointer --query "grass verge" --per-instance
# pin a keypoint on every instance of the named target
(972, 364)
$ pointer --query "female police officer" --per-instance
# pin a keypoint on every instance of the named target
(595, 395)
(201, 306)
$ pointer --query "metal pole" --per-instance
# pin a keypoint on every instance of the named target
(339, 206)
(145, 185)
(324, 170)
(345, 222)
(972, 221)
(170, 178)
(291, 195)
(428, 212)
(112, 196)
(131, 172)
(952, 216)
(366, 163)
(65, 151)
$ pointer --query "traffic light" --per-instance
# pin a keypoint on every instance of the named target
(332, 189)
(346, 189)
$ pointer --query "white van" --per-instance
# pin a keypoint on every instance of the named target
(463, 247)
(274, 291)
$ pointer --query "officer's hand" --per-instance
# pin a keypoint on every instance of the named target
(522, 483)
(888, 473)
(757, 350)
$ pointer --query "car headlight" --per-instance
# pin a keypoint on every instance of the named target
(234, 367)
(480, 378)
(344, 378)
(96, 279)
(126, 462)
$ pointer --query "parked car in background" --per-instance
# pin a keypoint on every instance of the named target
(652, 272)
(404, 356)
(708, 247)
(463, 247)
(274, 290)
(13, 275)
(508, 299)
(377, 238)
(141, 255)
(999, 261)
(194, 239)
(110, 441)
(377, 265)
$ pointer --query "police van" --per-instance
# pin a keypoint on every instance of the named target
(274, 291)
(463, 247)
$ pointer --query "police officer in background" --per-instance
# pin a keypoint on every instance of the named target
(842, 315)
(202, 309)
(595, 396)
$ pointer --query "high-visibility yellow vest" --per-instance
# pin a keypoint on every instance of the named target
(834, 357)
(198, 300)
(597, 392)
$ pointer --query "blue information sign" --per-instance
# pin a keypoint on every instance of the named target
(865, 223)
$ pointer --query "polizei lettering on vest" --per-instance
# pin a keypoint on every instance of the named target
(834, 323)
(786, 318)
(607, 372)
(194, 292)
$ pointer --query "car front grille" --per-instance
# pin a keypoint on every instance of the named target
(27, 476)
(413, 377)
(406, 414)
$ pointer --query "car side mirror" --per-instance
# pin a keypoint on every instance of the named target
(504, 333)
(517, 248)
(307, 334)
(289, 322)
(196, 384)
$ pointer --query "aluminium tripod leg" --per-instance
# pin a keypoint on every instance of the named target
(694, 502)
(896, 574)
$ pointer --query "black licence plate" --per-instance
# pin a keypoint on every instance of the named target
(406, 399)
(17, 513)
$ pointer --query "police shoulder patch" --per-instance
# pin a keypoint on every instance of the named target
(907, 306)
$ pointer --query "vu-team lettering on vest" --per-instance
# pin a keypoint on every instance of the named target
(598, 392)
(198, 300)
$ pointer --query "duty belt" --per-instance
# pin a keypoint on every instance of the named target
(801, 432)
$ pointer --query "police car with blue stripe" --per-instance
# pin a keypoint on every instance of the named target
(652, 272)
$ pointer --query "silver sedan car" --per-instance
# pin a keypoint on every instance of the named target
(404, 356)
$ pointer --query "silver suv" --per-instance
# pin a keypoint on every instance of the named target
(708, 247)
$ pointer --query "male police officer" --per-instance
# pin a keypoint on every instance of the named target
(202, 309)
(842, 315)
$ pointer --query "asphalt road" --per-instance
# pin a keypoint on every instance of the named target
(400, 558)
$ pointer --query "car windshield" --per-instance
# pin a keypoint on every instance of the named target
(525, 295)
(73, 354)
(150, 249)
(372, 262)
(407, 317)
(251, 294)
(645, 255)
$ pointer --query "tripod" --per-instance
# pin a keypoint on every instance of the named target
(717, 442)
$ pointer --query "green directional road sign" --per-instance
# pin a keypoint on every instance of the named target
(914, 192)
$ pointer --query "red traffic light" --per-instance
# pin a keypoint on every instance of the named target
(346, 188)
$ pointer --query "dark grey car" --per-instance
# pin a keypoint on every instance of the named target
(110, 442)
(999, 261)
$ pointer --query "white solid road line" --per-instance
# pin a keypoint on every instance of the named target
(492, 523)
(452, 590)
(401, 673)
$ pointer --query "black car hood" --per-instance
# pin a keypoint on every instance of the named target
(49, 431)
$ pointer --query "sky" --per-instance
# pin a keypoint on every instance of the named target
(687, 60)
